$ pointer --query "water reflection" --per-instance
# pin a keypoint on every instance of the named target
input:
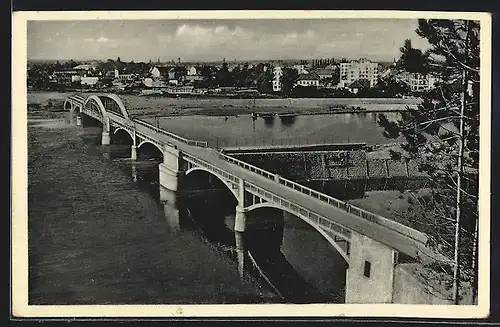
(170, 208)
(259, 251)
(288, 120)
(285, 129)
(272, 251)
(268, 121)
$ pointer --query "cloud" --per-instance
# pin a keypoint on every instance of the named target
(216, 39)
(191, 41)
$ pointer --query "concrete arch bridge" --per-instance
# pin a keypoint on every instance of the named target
(371, 245)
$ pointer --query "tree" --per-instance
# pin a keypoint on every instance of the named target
(288, 80)
(391, 87)
(444, 132)
(223, 76)
(412, 60)
(207, 73)
(264, 82)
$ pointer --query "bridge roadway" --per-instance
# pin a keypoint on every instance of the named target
(380, 233)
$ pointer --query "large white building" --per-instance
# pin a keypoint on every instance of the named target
(277, 75)
(361, 69)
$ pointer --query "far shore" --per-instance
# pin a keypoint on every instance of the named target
(167, 106)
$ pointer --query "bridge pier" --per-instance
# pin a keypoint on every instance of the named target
(133, 152)
(171, 170)
(240, 220)
(105, 139)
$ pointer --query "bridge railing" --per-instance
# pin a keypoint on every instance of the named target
(269, 196)
(202, 144)
(248, 166)
(400, 228)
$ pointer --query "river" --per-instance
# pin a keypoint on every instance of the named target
(102, 231)
(244, 130)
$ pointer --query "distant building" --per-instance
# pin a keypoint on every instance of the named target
(358, 85)
(85, 68)
(324, 73)
(65, 76)
(181, 90)
(89, 80)
(418, 82)
(159, 72)
(172, 74)
(308, 80)
(277, 75)
(386, 73)
(192, 71)
(123, 75)
(154, 83)
(177, 75)
(362, 69)
(193, 78)
(301, 69)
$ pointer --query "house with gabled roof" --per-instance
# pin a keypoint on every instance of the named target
(159, 72)
(359, 85)
(311, 79)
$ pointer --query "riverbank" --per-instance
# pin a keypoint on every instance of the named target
(166, 106)
(95, 238)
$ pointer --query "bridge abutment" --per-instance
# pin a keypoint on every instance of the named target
(370, 275)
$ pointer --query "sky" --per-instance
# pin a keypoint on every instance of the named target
(213, 40)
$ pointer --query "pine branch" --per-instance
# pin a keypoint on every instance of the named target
(405, 128)
(448, 51)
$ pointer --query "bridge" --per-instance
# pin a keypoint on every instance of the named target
(371, 245)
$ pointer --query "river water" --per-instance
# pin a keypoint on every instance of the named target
(244, 130)
(101, 230)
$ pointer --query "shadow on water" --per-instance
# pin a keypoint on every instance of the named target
(268, 121)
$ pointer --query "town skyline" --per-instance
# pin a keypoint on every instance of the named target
(213, 41)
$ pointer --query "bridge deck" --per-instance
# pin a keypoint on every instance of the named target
(370, 229)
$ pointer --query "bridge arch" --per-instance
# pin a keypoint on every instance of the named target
(125, 130)
(94, 99)
(152, 145)
(149, 142)
(222, 179)
(305, 219)
(68, 105)
(119, 103)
